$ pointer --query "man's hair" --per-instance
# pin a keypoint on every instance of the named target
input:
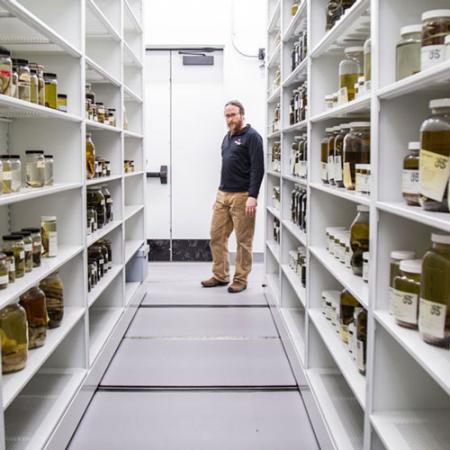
(238, 104)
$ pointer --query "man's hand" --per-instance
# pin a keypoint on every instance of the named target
(250, 207)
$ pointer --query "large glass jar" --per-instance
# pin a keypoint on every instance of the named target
(434, 309)
(49, 165)
(37, 245)
(11, 265)
(53, 288)
(34, 303)
(51, 90)
(28, 246)
(39, 70)
(15, 244)
(350, 68)
(348, 303)
(435, 27)
(410, 175)
(108, 203)
(5, 71)
(23, 71)
(49, 235)
(324, 155)
(14, 338)
(6, 174)
(407, 292)
(361, 341)
(330, 154)
(394, 271)
(435, 157)
(16, 173)
(408, 51)
(90, 157)
(35, 168)
(34, 86)
(4, 271)
(367, 62)
(338, 170)
(359, 239)
(15, 80)
(96, 200)
(356, 151)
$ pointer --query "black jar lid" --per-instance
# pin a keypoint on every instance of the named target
(5, 156)
(24, 233)
(48, 156)
(34, 152)
(15, 156)
(50, 75)
(32, 230)
(62, 96)
(4, 52)
(12, 237)
(20, 62)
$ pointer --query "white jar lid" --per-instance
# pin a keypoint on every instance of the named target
(362, 208)
(354, 50)
(366, 255)
(402, 254)
(440, 103)
(414, 146)
(435, 13)
(359, 124)
(411, 266)
(440, 238)
(411, 29)
(48, 218)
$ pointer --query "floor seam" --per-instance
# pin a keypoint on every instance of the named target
(203, 338)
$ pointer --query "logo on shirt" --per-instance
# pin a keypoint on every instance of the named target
(237, 142)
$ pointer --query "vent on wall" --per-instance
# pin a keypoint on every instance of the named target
(197, 59)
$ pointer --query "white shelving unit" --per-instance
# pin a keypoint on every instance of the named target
(403, 401)
(83, 41)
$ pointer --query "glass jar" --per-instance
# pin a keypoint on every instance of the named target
(34, 87)
(24, 84)
(101, 112)
(49, 166)
(96, 253)
(108, 245)
(4, 271)
(356, 151)
(324, 155)
(104, 249)
(49, 235)
(35, 168)
(434, 166)
(37, 245)
(410, 175)
(5, 71)
(16, 173)
(406, 293)
(435, 27)
(292, 108)
(15, 80)
(6, 174)
(14, 338)
(108, 203)
(92, 220)
(90, 157)
(362, 178)
(96, 200)
(350, 68)
(28, 247)
(90, 94)
(34, 304)
(330, 154)
(39, 69)
(339, 153)
(62, 102)
(359, 239)
(11, 266)
(51, 90)
(361, 341)
(294, 7)
(53, 288)
(348, 303)
(111, 117)
(15, 244)
(434, 308)
(125, 119)
(408, 52)
(367, 63)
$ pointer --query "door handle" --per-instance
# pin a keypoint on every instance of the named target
(162, 174)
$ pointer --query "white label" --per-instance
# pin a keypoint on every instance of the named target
(52, 243)
(432, 55)
(297, 169)
(7, 176)
(342, 96)
(4, 279)
(109, 201)
(101, 262)
(110, 265)
(28, 247)
(351, 337)
(405, 306)
(40, 165)
(12, 265)
(89, 230)
(432, 318)
(323, 171)
(360, 355)
(303, 169)
(434, 174)
(410, 182)
(330, 168)
(365, 271)
(358, 182)
(337, 170)
(22, 255)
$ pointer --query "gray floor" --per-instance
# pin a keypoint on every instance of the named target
(221, 351)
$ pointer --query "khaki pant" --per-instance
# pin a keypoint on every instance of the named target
(229, 214)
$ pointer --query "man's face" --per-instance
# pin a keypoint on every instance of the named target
(233, 118)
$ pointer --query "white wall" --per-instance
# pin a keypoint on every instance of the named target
(208, 23)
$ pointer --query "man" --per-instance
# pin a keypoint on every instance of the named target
(236, 201)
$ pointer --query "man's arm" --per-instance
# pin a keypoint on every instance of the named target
(256, 152)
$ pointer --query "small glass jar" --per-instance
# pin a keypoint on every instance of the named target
(34, 303)
(367, 63)
(16, 173)
(125, 119)
(62, 102)
(88, 109)
(37, 245)
(359, 239)
(49, 235)
(35, 168)
(435, 27)
(91, 221)
(350, 68)
(90, 157)
(434, 166)
(410, 175)
(24, 84)
(96, 200)
(112, 117)
(11, 266)
(101, 113)
(6, 174)
(406, 293)
(15, 244)
(394, 271)
(49, 166)
(5, 71)
(365, 273)
(28, 246)
(15, 80)
(51, 90)
(39, 70)
(34, 87)
(14, 338)
(108, 203)
(53, 288)
(4, 271)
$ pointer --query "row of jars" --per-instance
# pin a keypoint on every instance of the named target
(100, 209)
(298, 104)
(99, 261)
(423, 45)
(299, 207)
(276, 230)
(28, 81)
(97, 111)
(419, 291)
(297, 263)
(345, 157)
(23, 326)
(22, 250)
(299, 157)
(38, 172)
(275, 157)
(335, 10)
(300, 50)
(349, 320)
(351, 246)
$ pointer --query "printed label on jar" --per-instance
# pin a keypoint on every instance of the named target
(12, 265)
(52, 243)
(432, 55)
(303, 169)
(22, 255)
(351, 337)
(101, 262)
(360, 357)
(323, 171)
(4, 279)
(359, 182)
(7, 176)
(28, 247)
(365, 272)
(405, 306)
(337, 168)
(330, 168)
(342, 96)
(410, 182)
(102, 203)
(109, 201)
(432, 318)
(434, 174)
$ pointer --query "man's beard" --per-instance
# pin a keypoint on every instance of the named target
(236, 127)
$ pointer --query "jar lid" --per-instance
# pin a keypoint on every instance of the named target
(411, 266)
(112, 109)
(32, 230)
(400, 255)
(354, 50)
(5, 156)
(50, 75)
(12, 237)
(62, 96)
(359, 124)
(48, 156)
(22, 233)
(4, 52)
(417, 28)
(362, 208)
(440, 238)
(366, 255)
(21, 62)
(15, 156)
(440, 103)
(414, 146)
(34, 152)
(48, 218)
(435, 13)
